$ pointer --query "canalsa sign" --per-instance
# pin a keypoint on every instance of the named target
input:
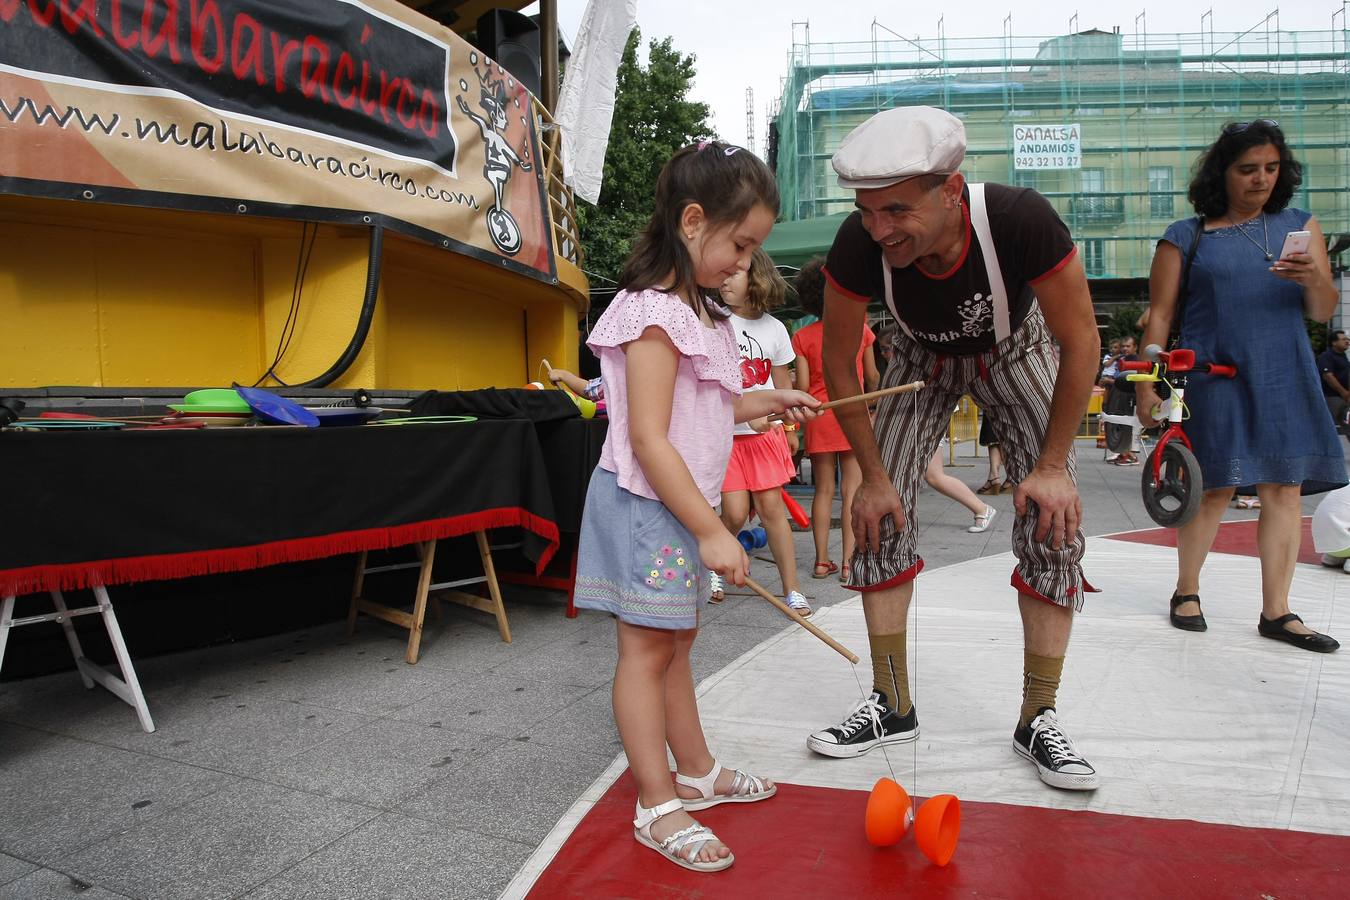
(356, 111)
(1047, 147)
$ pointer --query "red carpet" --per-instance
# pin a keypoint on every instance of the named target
(1238, 538)
(808, 842)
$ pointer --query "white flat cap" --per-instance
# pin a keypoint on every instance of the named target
(898, 144)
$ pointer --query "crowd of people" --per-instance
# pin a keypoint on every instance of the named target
(991, 301)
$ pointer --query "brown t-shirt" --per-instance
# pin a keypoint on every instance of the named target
(952, 313)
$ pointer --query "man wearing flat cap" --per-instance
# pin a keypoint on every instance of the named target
(984, 280)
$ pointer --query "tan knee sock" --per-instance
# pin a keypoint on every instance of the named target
(1040, 682)
(890, 671)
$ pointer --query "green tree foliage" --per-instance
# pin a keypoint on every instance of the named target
(1125, 322)
(653, 118)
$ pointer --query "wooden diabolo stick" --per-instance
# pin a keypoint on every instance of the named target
(861, 398)
(796, 617)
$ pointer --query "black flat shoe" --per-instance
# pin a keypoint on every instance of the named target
(1318, 643)
(1187, 623)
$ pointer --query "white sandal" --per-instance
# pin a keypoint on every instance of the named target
(673, 848)
(715, 587)
(744, 788)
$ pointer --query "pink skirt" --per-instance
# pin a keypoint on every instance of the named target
(759, 462)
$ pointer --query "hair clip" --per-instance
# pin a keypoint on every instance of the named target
(730, 151)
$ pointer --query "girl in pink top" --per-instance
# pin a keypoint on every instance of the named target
(649, 530)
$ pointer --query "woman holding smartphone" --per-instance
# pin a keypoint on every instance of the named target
(1248, 291)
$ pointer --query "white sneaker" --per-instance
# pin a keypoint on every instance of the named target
(984, 520)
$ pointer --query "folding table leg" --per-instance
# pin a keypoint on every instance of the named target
(357, 585)
(572, 586)
(128, 687)
(489, 570)
(427, 551)
(71, 638)
(6, 618)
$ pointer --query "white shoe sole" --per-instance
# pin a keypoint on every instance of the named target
(708, 803)
(715, 866)
(1063, 781)
(848, 751)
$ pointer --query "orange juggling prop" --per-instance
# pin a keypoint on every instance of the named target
(937, 827)
(889, 813)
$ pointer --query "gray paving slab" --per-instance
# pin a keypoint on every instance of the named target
(585, 656)
(219, 846)
(719, 644)
(514, 792)
(492, 703)
(60, 794)
(395, 856)
(370, 678)
(587, 724)
(46, 884)
(381, 762)
(13, 868)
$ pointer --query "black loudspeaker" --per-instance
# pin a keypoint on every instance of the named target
(513, 41)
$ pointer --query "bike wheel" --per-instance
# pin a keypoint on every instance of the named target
(1174, 500)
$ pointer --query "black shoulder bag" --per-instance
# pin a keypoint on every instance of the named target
(1185, 283)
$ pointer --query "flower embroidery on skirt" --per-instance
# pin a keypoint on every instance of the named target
(668, 565)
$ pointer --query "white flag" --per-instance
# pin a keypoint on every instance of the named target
(586, 104)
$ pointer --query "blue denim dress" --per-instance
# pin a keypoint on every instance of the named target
(1269, 425)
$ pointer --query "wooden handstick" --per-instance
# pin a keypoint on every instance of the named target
(871, 395)
(796, 617)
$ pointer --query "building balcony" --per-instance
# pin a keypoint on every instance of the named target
(1098, 209)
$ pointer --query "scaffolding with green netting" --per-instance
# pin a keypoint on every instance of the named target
(1105, 124)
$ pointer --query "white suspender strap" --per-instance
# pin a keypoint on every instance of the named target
(890, 297)
(998, 291)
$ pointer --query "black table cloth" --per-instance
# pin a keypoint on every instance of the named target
(85, 508)
(570, 444)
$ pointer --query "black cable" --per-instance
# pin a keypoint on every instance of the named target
(373, 269)
(304, 253)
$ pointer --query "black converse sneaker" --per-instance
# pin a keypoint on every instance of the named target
(869, 723)
(1046, 745)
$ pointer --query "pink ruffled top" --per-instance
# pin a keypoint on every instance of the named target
(706, 385)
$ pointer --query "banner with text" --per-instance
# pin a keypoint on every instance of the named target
(1047, 147)
(338, 110)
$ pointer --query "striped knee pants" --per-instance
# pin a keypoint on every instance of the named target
(1012, 384)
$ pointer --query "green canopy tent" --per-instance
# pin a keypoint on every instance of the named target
(792, 243)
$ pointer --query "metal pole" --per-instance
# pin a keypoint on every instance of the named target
(548, 54)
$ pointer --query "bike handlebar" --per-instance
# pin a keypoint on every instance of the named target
(1179, 360)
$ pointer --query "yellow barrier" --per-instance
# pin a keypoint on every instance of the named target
(965, 423)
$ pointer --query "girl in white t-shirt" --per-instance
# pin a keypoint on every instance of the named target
(761, 459)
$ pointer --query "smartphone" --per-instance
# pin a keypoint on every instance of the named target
(1295, 242)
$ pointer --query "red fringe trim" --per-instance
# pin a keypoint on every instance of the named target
(125, 570)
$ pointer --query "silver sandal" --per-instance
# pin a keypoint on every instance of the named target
(682, 847)
(744, 788)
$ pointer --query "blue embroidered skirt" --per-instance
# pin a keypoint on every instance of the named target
(636, 560)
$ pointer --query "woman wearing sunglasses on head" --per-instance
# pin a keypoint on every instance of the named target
(1252, 268)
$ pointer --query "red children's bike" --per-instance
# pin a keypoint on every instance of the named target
(1171, 484)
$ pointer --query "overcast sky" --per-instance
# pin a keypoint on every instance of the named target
(744, 43)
